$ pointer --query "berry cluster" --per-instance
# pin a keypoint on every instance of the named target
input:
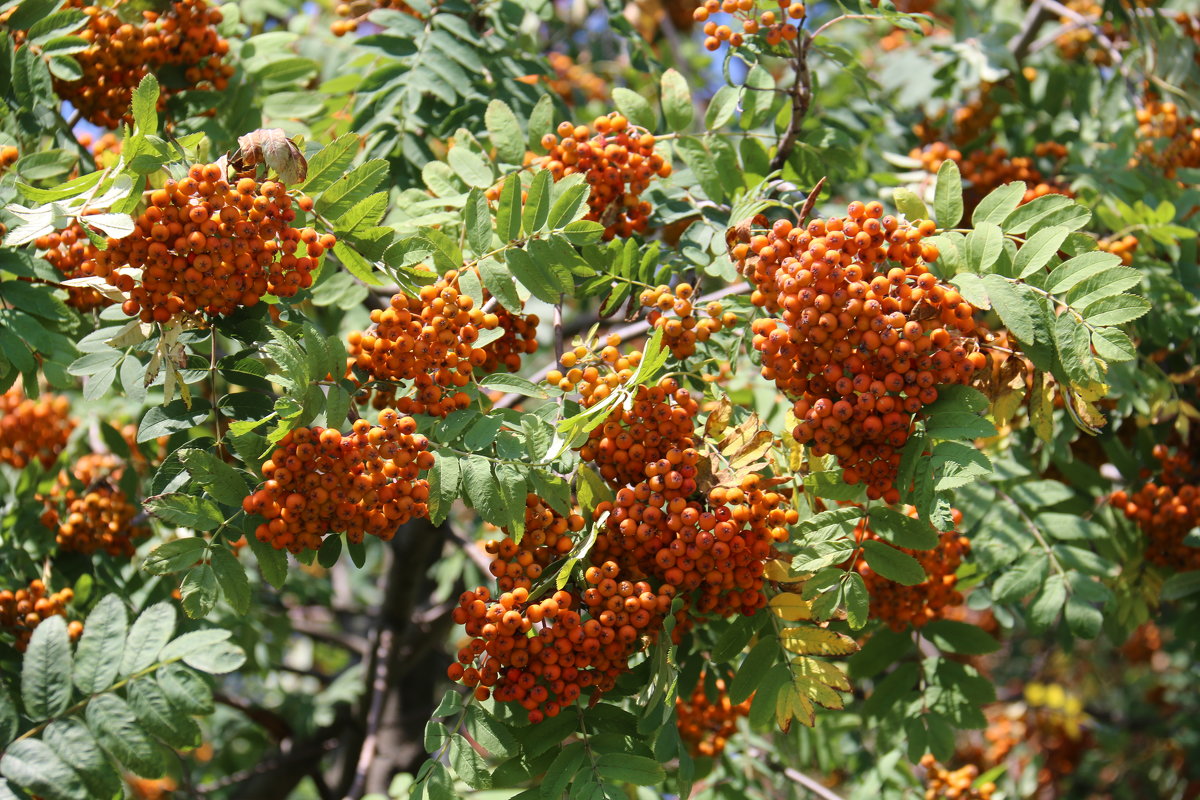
(573, 81)
(899, 605)
(772, 26)
(1123, 246)
(712, 546)
(1166, 139)
(618, 160)
(865, 332)
(100, 516)
(319, 481)
(23, 610)
(595, 374)
(355, 11)
(1166, 510)
(966, 123)
(105, 150)
(183, 39)
(659, 420)
(957, 784)
(33, 430)
(673, 311)
(67, 251)
(430, 341)
(989, 168)
(544, 654)
(211, 245)
(8, 157)
(706, 725)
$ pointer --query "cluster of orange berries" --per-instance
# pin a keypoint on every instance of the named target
(100, 516)
(67, 251)
(319, 481)
(1166, 510)
(1080, 39)
(543, 654)
(205, 244)
(1123, 246)
(988, 168)
(572, 80)
(23, 610)
(120, 53)
(967, 122)
(430, 340)
(674, 312)
(353, 12)
(953, 784)
(595, 374)
(1159, 121)
(899, 605)
(618, 160)
(706, 725)
(33, 430)
(105, 150)
(771, 25)
(8, 157)
(865, 332)
(659, 419)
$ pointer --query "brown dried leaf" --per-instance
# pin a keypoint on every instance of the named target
(718, 420)
(272, 147)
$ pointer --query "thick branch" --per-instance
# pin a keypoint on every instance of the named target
(801, 94)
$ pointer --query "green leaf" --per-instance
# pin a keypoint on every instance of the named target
(505, 132)
(30, 763)
(948, 195)
(1116, 310)
(492, 734)
(999, 203)
(753, 668)
(76, 745)
(571, 203)
(186, 510)
(471, 167)
(469, 764)
(8, 716)
(175, 555)
(231, 575)
(217, 659)
(1017, 306)
(703, 165)
(903, 530)
(1049, 601)
(199, 591)
(858, 600)
(721, 107)
(478, 221)
(118, 731)
(186, 690)
(150, 705)
(508, 210)
(1106, 284)
(561, 770)
(174, 416)
(1179, 585)
(272, 563)
(1038, 250)
(892, 564)
(330, 163)
(534, 276)
(101, 648)
(983, 247)
(537, 203)
(222, 482)
(148, 634)
(636, 108)
(1022, 578)
(351, 188)
(676, 101)
(638, 770)
(952, 636)
(515, 384)
(499, 282)
(1113, 345)
(145, 105)
(541, 122)
(958, 425)
(1046, 211)
(1078, 269)
(1083, 619)
(909, 204)
(46, 670)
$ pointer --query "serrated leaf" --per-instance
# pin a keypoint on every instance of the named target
(101, 648)
(150, 705)
(147, 636)
(628, 768)
(46, 670)
(676, 101)
(118, 731)
(1038, 250)
(999, 203)
(948, 195)
(903, 530)
(1078, 269)
(505, 132)
(816, 642)
(1116, 310)
(892, 564)
(74, 743)
(753, 668)
(30, 763)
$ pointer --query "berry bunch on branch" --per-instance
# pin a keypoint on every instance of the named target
(431, 343)
(67, 251)
(33, 430)
(1167, 509)
(771, 26)
(705, 725)
(211, 243)
(864, 332)
(180, 45)
(987, 168)
(673, 311)
(320, 481)
(98, 515)
(23, 610)
(618, 162)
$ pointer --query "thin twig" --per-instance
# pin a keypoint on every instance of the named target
(801, 94)
(379, 691)
(795, 775)
(1021, 44)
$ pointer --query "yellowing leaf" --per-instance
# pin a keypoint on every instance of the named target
(780, 571)
(819, 693)
(817, 642)
(791, 607)
(1041, 408)
(718, 420)
(791, 704)
(823, 671)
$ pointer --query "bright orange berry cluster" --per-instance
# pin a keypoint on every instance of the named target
(619, 161)
(572, 81)
(105, 150)
(1166, 510)
(23, 610)
(945, 784)
(1123, 246)
(1167, 139)
(8, 157)
(706, 725)
(67, 251)
(660, 418)
(673, 311)
(864, 334)
(33, 430)
(319, 481)
(772, 26)
(595, 374)
(899, 605)
(100, 515)
(208, 244)
(430, 341)
(182, 41)
(988, 168)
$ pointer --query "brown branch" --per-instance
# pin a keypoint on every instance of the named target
(801, 94)
(379, 689)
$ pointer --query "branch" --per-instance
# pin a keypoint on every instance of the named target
(1020, 45)
(801, 94)
(379, 690)
(794, 775)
